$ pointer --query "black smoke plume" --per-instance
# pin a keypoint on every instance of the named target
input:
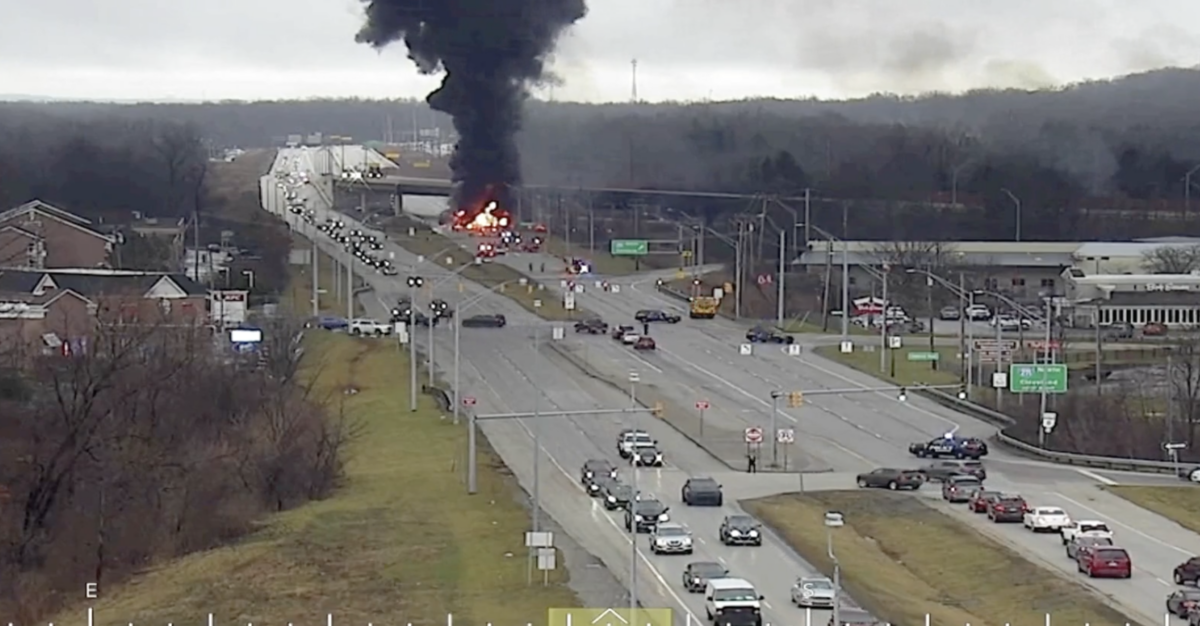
(491, 52)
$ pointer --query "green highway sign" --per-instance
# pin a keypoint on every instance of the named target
(923, 356)
(1037, 378)
(629, 247)
(610, 617)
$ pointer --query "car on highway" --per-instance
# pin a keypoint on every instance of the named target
(733, 601)
(959, 488)
(1188, 571)
(978, 313)
(949, 314)
(647, 316)
(1046, 519)
(890, 478)
(388, 270)
(740, 530)
(596, 468)
(495, 320)
(411, 317)
(1191, 474)
(326, 322)
(813, 592)
(1106, 562)
(981, 500)
(1085, 542)
(1183, 601)
(703, 491)
(647, 455)
(630, 338)
(950, 446)
(941, 470)
(591, 326)
(629, 439)
(645, 343)
(697, 574)
(645, 514)
(1010, 323)
(616, 495)
(364, 326)
(670, 538)
(1076, 528)
(1007, 508)
(619, 332)
(850, 615)
(762, 334)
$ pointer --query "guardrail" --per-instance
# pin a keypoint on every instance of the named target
(1064, 458)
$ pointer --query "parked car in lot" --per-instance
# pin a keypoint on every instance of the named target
(949, 313)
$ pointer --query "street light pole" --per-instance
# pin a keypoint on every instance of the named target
(1017, 203)
(845, 277)
(775, 395)
(779, 312)
(834, 519)
(883, 327)
(634, 378)
(1187, 189)
(1049, 356)
(413, 283)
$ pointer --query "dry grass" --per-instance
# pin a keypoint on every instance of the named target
(299, 291)
(533, 296)
(401, 538)
(812, 326)
(903, 559)
(1179, 504)
(907, 372)
(603, 262)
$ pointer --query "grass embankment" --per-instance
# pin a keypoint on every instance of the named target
(534, 296)
(903, 559)
(906, 372)
(401, 537)
(1179, 504)
(602, 262)
(812, 326)
(299, 292)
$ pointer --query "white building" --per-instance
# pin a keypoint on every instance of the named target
(1138, 299)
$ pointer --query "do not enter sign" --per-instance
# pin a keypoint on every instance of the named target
(754, 434)
(469, 401)
(702, 405)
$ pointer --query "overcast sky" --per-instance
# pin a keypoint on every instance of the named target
(686, 49)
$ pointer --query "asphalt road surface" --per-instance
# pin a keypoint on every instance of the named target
(847, 432)
(503, 373)
(856, 430)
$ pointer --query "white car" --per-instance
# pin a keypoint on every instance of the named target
(1091, 528)
(814, 593)
(630, 338)
(1046, 519)
(632, 440)
(364, 326)
(670, 538)
(978, 313)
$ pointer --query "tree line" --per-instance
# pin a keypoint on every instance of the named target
(147, 445)
(948, 167)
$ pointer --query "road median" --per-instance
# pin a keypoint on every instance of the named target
(906, 561)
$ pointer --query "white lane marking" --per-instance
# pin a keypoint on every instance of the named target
(1096, 477)
(611, 522)
(1115, 522)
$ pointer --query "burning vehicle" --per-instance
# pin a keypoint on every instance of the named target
(490, 220)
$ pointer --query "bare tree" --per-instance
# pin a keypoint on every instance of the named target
(1172, 259)
(1182, 393)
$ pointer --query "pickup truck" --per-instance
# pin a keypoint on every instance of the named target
(1090, 528)
(365, 326)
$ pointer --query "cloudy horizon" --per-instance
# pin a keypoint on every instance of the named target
(686, 49)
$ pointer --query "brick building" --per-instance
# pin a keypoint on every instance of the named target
(39, 235)
(52, 308)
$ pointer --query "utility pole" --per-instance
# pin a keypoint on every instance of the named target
(1049, 358)
(633, 92)
(779, 312)
(845, 275)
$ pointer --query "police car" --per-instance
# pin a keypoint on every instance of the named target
(950, 445)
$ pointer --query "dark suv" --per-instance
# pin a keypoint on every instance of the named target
(644, 515)
(702, 492)
(591, 326)
(647, 316)
(942, 470)
(740, 530)
(1188, 571)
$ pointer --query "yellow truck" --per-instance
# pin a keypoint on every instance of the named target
(703, 307)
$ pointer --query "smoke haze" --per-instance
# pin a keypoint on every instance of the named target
(491, 53)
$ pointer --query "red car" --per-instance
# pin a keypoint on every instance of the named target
(981, 499)
(644, 343)
(1107, 561)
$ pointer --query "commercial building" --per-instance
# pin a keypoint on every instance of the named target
(1172, 300)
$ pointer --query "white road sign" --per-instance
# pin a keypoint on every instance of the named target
(569, 301)
(615, 289)
(1049, 420)
(746, 349)
(786, 435)
(558, 332)
(792, 349)
(847, 347)
(578, 288)
(754, 434)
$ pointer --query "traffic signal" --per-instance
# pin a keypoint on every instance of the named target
(795, 399)
(962, 392)
(903, 394)
(657, 411)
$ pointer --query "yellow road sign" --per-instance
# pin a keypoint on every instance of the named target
(609, 617)
(680, 274)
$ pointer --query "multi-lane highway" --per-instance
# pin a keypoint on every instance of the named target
(700, 360)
